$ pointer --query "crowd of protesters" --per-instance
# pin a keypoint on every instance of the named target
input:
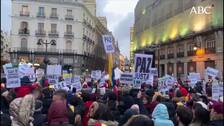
(38, 104)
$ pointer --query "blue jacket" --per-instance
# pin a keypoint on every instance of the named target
(160, 116)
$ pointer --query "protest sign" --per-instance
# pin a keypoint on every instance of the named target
(12, 77)
(23, 70)
(67, 78)
(102, 91)
(127, 78)
(149, 81)
(53, 79)
(143, 64)
(60, 85)
(53, 69)
(153, 71)
(212, 72)
(96, 74)
(77, 85)
(215, 91)
(8, 65)
(194, 78)
(137, 83)
(108, 43)
(102, 82)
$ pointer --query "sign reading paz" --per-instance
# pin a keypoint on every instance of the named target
(108, 43)
(143, 64)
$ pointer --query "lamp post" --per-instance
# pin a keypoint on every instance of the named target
(40, 42)
(157, 48)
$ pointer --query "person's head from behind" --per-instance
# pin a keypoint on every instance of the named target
(99, 111)
(200, 113)
(184, 115)
(60, 95)
(139, 120)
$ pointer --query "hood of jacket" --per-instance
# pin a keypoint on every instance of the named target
(160, 112)
(93, 122)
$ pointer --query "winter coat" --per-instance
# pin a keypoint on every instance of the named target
(85, 116)
(39, 118)
(58, 112)
(160, 116)
(217, 123)
(22, 109)
(23, 90)
(93, 122)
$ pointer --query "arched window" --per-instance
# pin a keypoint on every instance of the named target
(24, 43)
(68, 45)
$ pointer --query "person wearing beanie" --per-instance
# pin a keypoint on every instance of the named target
(216, 114)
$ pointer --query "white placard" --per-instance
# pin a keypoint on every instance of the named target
(117, 73)
(153, 71)
(102, 91)
(127, 78)
(149, 81)
(143, 64)
(8, 65)
(23, 70)
(102, 82)
(137, 83)
(108, 43)
(60, 85)
(212, 72)
(96, 74)
(194, 78)
(215, 91)
(53, 79)
(12, 78)
(77, 85)
(54, 69)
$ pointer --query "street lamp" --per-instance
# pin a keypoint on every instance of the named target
(195, 48)
(157, 48)
(40, 42)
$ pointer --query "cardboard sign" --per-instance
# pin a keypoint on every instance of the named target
(108, 43)
(96, 74)
(127, 78)
(53, 79)
(12, 78)
(212, 72)
(143, 64)
(54, 69)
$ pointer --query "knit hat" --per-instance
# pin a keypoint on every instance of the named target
(218, 107)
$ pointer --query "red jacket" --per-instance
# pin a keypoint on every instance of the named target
(85, 116)
(23, 90)
(58, 112)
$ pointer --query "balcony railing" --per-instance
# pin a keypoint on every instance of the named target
(24, 31)
(210, 50)
(54, 16)
(170, 56)
(69, 34)
(162, 56)
(41, 15)
(69, 17)
(53, 34)
(191, 53)
(40, 33)
(180, 54)
(26, 14)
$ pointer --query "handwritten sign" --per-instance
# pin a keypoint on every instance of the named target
(127, 78)
(96, 74)
(13, 78)
(108, 43)
(212, 72)
(143, 64)
(53, 79)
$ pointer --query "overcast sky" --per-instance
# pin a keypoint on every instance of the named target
(119, 13)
